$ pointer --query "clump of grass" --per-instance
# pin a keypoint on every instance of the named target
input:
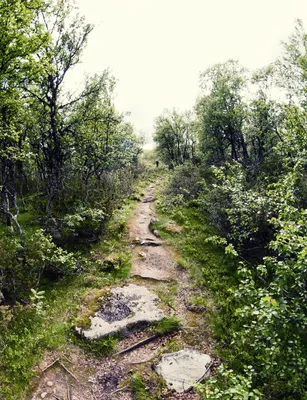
(173, 345)
(167, 325)
(97, 347)
(138, 387)
(167, 294)
(182, 263)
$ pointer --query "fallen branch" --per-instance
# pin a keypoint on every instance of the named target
(62, 365)
(68, 390)
(66, 358)
(141, 362)
(67, 370)
(50, 365)
(138, 344)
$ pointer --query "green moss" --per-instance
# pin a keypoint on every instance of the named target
(167, 325)
(149, 389)
(182, 263)
(98, 347)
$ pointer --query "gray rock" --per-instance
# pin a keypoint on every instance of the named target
(150, 242)
(183, 368)
(127, 306)
(156, 233)
(2, 298)
(148, 199)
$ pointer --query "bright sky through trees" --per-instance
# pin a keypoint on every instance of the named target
(157, 48)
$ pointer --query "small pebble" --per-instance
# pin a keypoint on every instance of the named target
(43, 395)
(49, 383)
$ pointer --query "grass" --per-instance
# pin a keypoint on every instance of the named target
(167, 325)
(208, 264)
(167, 293)
(212, 271)
(138, 387)
(29, 335)
(26, 335)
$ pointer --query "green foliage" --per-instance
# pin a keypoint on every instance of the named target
(23, 264)
(237, 209)
(221, 114)
(175, 137)
(185, 183)
(230, 386)
(138, 387)
(97, 347)
(37, 298)
(26, 332)
(86, 222)
(168, 325)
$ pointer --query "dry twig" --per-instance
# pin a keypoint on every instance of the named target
(137, 345)
(56, 397)
(50, 365)
(62, 365)
(68, 389)
(67, 370)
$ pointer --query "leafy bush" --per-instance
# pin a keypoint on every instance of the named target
(23, 264)
(85, 223)
(229, 386)
(239, 212)
(185, 182)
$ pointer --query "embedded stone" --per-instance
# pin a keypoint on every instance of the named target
(127, 306)
(182, 369)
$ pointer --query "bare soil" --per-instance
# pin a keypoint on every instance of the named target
(87, 378)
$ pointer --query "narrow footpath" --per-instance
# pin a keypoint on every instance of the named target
(157, 290)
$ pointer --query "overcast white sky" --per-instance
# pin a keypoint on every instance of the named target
(157, 48)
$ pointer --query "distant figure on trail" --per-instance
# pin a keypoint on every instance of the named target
(157, 163)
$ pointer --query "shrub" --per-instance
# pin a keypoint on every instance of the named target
(23, 264)
(85, 223)
(186, 182)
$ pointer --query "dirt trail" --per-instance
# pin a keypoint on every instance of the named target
(154, 267)
(151, 260)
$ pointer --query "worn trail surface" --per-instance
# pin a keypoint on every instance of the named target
(76, 376)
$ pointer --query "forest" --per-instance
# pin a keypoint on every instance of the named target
(239, 162)
(234, 172)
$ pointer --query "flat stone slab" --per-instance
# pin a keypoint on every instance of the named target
(126, 306)
(182, 369)
(156, 263)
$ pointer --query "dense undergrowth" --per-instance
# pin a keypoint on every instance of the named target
(257, 326)
(43, 319)
(239, 167)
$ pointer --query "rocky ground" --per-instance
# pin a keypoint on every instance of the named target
(157, 288)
